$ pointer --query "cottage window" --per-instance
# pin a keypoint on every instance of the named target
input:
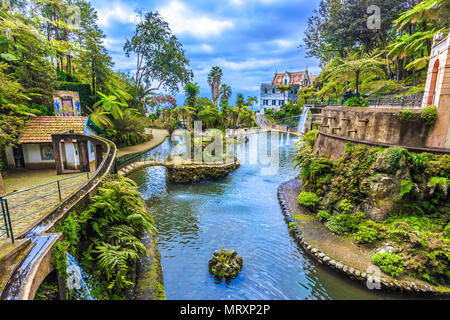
(274, 102)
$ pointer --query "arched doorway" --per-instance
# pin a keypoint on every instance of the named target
(434, 77)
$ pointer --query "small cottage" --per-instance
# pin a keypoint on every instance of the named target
(35, 150)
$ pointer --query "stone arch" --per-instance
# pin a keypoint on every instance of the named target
(434, 78)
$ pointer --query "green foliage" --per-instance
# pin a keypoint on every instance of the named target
(441, 183)
(391, 159)
(343, 223)
(405, 187)
(128, 130)
(346, 206)
(406, 115)
(59, 258)
(111, 231)
(310, 137)
(447, 231)
(160, 55)
(418, 222)
(71, 230)
(419, 160)
(292, 226)
(429, 115)
(308, 199)
(367, 233)
(389, 262)
(356, 102)
(323, 216)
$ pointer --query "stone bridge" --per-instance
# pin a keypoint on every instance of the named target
(186, 172)
(29, 262)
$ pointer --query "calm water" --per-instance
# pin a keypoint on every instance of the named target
(240, 212)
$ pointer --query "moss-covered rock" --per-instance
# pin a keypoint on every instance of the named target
(225, 264)
(193, 173)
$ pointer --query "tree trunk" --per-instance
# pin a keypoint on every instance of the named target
(357, 81)
(2, 185)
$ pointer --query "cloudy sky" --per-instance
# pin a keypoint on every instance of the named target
(248, 39)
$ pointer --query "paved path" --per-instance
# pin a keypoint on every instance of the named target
(158, 137)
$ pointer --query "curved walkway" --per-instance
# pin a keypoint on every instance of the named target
(340, 253)
(158, 137)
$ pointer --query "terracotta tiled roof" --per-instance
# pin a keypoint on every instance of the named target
(295, 78)
(40, 129)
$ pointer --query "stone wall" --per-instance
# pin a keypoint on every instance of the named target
(368, 125)
(194, 173)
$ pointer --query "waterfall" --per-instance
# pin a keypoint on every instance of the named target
(76, 280)
(303, 119)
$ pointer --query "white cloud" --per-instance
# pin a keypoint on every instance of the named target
(247, 64)
(113, 44)
(116, 12)
(284, 43)
(182, 20)
(201, 48)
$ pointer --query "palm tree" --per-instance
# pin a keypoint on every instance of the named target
(356, 68)
(225, 92)
(191, 90)
(214, 78)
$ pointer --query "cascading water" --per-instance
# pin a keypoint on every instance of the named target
(303, 119)
(288, 137)
(76, 280)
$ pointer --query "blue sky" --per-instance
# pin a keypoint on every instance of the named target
(248, 39)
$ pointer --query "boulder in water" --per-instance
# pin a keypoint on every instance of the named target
(225, 264)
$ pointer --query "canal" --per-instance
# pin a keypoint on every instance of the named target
(240, 212)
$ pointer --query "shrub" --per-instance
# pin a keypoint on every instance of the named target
(310, 137)
(365, 234)
(323, 216)
(346, 206)
(111, 232)
(59, 258)
(356, 102)
(341, 223)
(429, 115)
(418, 159)
(406, 115)
(389, 262)
(308, 199)
(447, 230)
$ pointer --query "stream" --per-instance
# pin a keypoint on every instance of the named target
(240, 212)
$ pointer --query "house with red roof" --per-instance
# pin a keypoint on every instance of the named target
(272, 98)
(34, 146)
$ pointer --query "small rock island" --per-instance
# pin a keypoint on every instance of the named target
(225, 264)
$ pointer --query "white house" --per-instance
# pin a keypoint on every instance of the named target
(35, 150)
(272, 98)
